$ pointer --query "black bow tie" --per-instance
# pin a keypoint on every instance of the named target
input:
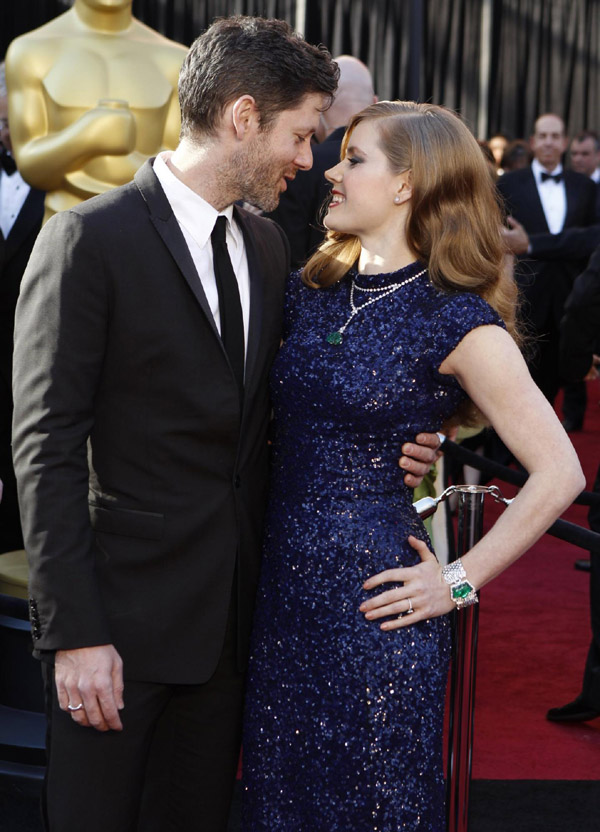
(555, 177)
(7, 163)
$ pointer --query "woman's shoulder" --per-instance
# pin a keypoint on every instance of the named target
(447, 317)
(462, 306)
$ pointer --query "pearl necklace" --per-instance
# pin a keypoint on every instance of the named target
(336, 337)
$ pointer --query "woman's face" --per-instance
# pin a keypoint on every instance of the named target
(367, 198)
(497, 145)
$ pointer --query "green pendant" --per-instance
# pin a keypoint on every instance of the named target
(334, 338)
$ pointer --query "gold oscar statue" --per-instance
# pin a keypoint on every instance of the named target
(92, 95)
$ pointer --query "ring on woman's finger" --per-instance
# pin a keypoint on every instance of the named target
(75, 707)
(410, 609)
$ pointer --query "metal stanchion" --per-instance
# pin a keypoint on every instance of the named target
(464, 654)
(462, 675)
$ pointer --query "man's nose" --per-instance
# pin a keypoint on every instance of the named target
(304, 159)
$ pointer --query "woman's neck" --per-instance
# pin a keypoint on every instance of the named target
(385, 249)
(384, 260)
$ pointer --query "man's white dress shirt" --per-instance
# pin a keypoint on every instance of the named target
(197, 218)
(13, 193)
(553, 196)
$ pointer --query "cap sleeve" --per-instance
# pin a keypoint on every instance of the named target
(455, 318)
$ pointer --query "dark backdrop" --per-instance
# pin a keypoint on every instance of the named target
(542, 55)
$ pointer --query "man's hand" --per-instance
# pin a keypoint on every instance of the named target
(418, 458)
(515, 237)
(92, 677)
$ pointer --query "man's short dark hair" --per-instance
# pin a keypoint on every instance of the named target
(588, 134)
(253, 56)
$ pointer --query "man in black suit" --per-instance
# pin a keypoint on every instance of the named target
(148, 319)
(579, 338)
(136, 333)
(584, 158)
(300, 208)
(21, 212)
(544, 198)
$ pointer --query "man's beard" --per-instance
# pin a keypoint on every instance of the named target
(255, 176)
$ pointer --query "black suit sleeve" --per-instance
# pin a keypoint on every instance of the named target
(573, 243)
(60, 336)
(580, 325)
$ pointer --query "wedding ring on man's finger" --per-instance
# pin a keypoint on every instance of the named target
(75, 707)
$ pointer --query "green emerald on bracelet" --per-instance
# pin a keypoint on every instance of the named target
(461, 590)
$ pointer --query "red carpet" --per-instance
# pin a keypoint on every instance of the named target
(534, 636)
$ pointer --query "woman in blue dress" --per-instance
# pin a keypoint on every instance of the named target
(401, 321)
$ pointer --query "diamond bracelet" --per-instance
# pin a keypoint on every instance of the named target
(462, 591)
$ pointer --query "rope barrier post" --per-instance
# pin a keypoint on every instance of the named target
(462, 675)
(466, 622)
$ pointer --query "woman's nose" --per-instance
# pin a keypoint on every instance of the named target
(334, 174)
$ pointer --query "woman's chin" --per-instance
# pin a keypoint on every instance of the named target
(330, 223)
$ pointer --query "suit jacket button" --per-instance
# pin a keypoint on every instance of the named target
(237, 482)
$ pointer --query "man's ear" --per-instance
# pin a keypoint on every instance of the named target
(245, 117)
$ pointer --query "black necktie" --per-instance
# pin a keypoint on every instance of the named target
(7, 163)
(230, 308)
(555, 177)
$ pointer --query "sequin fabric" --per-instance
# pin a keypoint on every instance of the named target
(343, 727)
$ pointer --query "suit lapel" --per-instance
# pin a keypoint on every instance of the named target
(166, 225)
(255, 271)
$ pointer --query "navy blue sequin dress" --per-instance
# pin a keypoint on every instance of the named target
(343, 727)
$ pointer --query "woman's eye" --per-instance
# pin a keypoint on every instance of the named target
(354, 160)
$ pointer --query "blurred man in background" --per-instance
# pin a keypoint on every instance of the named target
(21, 211)
(545, 198)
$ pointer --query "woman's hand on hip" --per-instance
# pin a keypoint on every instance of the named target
(422, 592)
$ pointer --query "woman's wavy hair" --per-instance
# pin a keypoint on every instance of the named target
(455, 217)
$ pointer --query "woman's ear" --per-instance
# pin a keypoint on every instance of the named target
(404, 189)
